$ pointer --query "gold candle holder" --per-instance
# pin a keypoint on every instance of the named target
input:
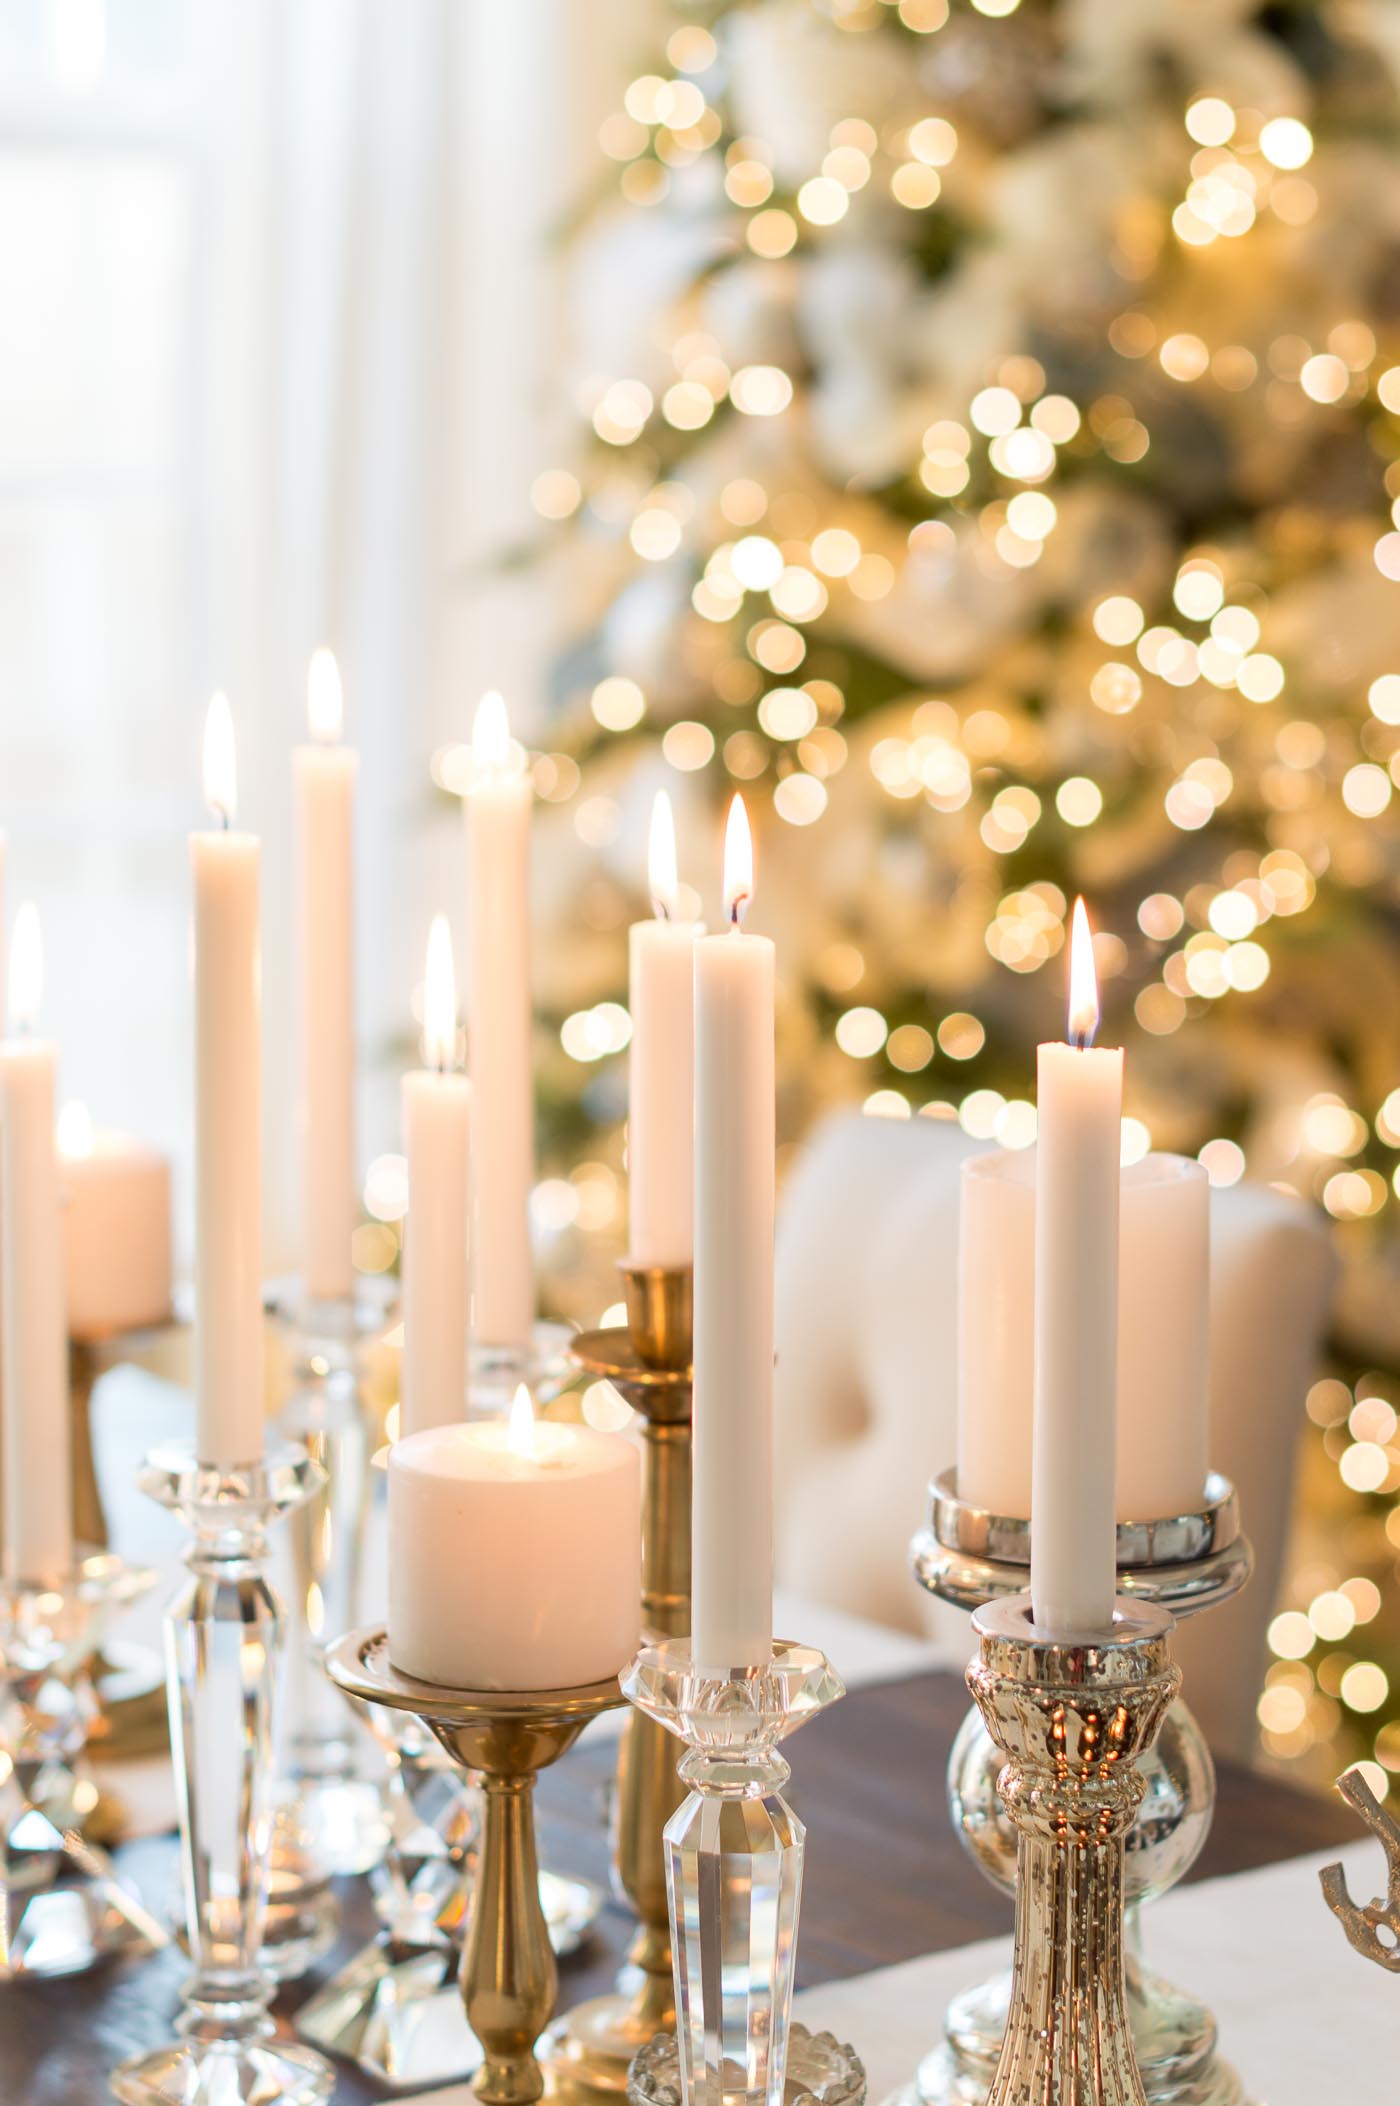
(509, 1979)
(589, 2050)
(1072, 1720)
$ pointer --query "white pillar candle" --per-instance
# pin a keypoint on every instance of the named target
(116, 1229)
(436, 1114)
(661, 1068)
(228, 1120)
(499, 1053)
(38, 1470)
(732, 1583)
(1163, 1317)
(1073, 1567)
(323, 775)
(514, 1554)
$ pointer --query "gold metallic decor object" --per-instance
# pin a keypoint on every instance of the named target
(1186, 1563)
(1071, 1719)
(588, 2050)
(509, 1980)
(1364, 1925)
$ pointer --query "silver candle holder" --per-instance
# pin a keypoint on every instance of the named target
(1186, 1563)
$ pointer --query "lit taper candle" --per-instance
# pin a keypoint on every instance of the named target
(323, 775)
(661, 1071)
(732, 1583)
(38, 1482)
(1073, 1569)
(499, 1029)
(229, 1375)
(436, 1115)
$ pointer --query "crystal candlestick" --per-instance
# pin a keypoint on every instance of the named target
(1072, 1719)
(224, 1635)
(60, 1911)
(395, 2008)
(1188, 1563)
(733, 1860)
(328, 1807)
(509, 1979)
(589, 2050)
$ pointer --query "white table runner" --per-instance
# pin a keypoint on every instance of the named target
(1304, 2019)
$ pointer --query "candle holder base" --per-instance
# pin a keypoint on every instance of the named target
(61, 1910)
(822, 2071)
(509, 1979)
(258, 2071)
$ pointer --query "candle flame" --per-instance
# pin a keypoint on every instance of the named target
(520, 1427)
(220, 761)
(26, 969)
(325, 705)
(738, 864)
(661, 859)
(75, 1131)
(439, 998)
(1083, 981)
(493, 748)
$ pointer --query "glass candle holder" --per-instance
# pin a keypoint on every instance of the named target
(63, 1910)
(733, 1860)
(224, 1634)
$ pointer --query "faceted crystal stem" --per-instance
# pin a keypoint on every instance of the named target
(733, 1861)
(734, 1879)
(224, 1635)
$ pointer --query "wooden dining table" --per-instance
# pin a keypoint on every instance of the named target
(885, 1880)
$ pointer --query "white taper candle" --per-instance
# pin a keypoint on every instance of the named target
(499, 1029)
(38, 1475)
(1073, 1567)
(229, 1372)
(661, 1066)
(323, 774)
(436, 1115)
(732, 1582)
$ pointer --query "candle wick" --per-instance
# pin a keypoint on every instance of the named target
(736, 910)
(660, 909)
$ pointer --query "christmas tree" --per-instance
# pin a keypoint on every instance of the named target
(992, 426)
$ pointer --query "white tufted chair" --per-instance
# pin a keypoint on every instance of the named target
(866, 1406)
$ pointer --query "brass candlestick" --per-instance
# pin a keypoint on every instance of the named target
(509, 1980)
(589, 2050)
(1071, 1720)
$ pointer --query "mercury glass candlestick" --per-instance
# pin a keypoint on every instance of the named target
(589, 2050)
(1072, 1718)
(509, 1979)
(733, 1860)
(1186, 1563)
(62, 1911)
(225, 1633)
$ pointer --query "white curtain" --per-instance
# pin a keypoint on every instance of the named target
(281, 332)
